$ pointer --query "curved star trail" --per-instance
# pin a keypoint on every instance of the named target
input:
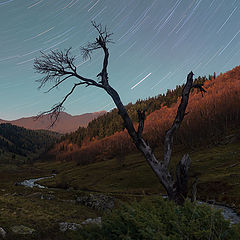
(157, 42)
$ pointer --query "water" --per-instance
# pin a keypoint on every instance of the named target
(32, 182)
(227, 212)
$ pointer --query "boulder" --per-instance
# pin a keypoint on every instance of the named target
(47, 197)
(35, 195)
(97, 221)
(97, 201)
(22, 230)
(2, 232)
(42, 196)
(64, 226)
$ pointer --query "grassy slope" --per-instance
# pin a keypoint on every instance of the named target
(24, 206)
(217, 167)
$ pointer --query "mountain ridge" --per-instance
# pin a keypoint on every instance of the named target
(65, 124)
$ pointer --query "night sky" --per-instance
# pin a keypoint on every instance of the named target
(156, 44)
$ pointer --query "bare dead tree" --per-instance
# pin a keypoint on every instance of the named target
(58, 66)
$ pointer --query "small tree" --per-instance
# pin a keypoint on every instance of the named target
(58, 66)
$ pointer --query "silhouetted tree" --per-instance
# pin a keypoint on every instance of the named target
(58, 66)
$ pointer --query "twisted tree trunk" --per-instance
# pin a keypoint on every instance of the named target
(176, 190)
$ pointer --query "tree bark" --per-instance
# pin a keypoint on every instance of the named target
(194, 190)
(176, 190)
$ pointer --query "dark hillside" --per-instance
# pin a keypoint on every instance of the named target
(20, 143)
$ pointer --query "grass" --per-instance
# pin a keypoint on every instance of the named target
(218, 169)
(157, 218)
(23, 206)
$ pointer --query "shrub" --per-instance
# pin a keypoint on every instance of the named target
(162, 220)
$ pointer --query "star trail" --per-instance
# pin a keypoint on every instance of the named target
(156, 44)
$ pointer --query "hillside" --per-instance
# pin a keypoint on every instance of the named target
(111, 122)
(217, 168)
(65, 124)
(210, 133)
(18, 144)
(216, 114)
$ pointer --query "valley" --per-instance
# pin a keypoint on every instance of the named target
(120, 120)
(43, 209)
(88, 176)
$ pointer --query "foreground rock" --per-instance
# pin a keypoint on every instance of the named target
(99, 202)
(42, 196)
(64, 226)
(97, 221)
(2, 232)
(22, 230)
(47, 197)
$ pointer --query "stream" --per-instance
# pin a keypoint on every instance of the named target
(227, 212)
(31, 182)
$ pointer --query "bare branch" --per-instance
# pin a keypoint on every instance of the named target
(54, 66)
(58, 83)
(179, 117)
(58, 66)
(57, 108)
(99, 43)
(200, 87)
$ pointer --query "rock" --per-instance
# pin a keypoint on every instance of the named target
(51, 192)
(17, 194)
(47, 197)
(22, 230)
(2, 232)
(35, 195)
(97, 201)
(41, 196)
(212, 201)
(97, 221)
(64, 226)
(68, 201)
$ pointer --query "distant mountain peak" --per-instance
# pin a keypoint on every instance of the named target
(66, 122)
